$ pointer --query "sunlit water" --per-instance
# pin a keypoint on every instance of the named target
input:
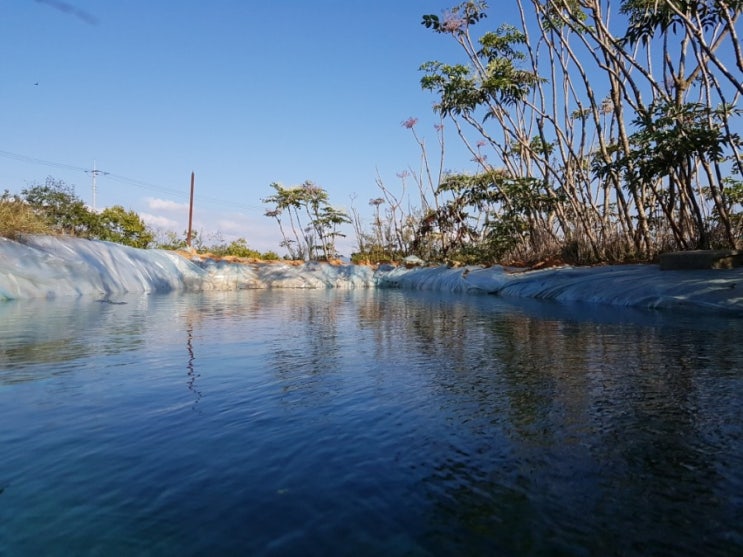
(367, 423)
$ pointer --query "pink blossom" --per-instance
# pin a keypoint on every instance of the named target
(410, 122)
(453, 23)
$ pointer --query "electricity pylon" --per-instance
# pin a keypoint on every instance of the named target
(94, 174)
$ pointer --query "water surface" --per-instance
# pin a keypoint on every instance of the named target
(367, 423)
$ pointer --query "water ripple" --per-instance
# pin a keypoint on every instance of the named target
(328, 423)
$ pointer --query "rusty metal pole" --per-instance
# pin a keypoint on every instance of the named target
(190, 214)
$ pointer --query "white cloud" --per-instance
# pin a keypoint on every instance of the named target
(159, 221)
(261, 233)
(231, 226)
(166, 205)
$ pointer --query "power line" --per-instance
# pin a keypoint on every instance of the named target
(179, 193)
(145, 185)
(32, 160)
(125, 180)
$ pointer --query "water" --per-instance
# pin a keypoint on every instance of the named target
(367, 423)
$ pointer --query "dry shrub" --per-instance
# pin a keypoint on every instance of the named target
(17, 219)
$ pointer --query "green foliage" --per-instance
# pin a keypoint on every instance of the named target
(371, 256)
(239, 248)
(495, 76)
(669, 134)
(554, 15)
(580, 173)
(213, 245)
(313, 221)
(56, 202)
(455, 86)
(487, 215)
(733, 191)
(116, 224)
(269, 256)
(481, 253)
(458, 18)
(505, 233)
(650, 17)
(54, 208)
(287, 201)
(171, 241)
(670, 142)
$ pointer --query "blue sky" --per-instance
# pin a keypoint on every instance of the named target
(242, 93)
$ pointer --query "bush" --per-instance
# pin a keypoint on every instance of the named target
(116, 224)
(18, 218)
(239, 248)
(60, 207)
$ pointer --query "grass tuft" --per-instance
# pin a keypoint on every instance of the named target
(18, 218)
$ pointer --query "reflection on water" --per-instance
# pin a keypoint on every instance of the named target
(191, 373)
(367, 422)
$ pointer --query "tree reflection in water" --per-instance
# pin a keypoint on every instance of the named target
(568, 436)
(190, 371)
(413, 423)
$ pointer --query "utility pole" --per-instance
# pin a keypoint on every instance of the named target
(190, 214)
(95, 173)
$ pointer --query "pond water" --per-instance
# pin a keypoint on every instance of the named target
(367, 423)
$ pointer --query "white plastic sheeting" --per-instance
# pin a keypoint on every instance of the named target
(638, 286)
(51, 266)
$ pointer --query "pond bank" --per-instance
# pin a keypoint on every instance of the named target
(636, 286)
(52, 266)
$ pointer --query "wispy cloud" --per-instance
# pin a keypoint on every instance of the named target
(159, 221)
(231, 226)
(156, 204)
